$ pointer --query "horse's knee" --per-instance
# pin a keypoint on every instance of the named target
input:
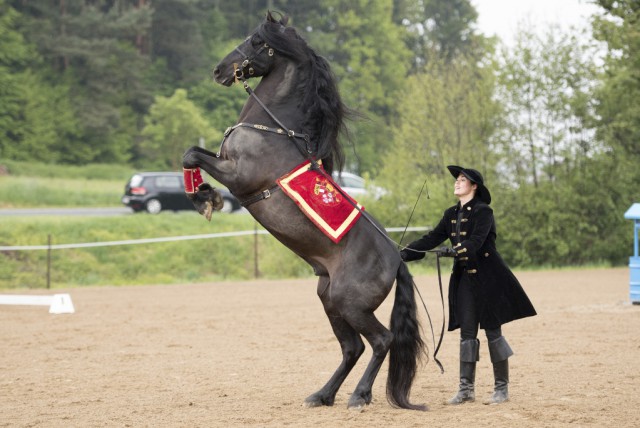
(189, 157)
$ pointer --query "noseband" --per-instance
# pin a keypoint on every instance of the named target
(239, 72)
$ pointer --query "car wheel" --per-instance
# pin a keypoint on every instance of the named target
(153, 206)
(227, 207)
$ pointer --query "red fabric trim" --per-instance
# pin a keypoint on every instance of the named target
(317, 195)
(192, 179)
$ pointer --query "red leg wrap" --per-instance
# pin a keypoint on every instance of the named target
(192, 179)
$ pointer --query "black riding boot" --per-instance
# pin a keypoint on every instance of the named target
(500, 351)
(469, 354)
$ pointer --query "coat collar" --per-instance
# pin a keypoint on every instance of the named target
(469, 205)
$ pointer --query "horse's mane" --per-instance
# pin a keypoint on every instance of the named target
(325, 112)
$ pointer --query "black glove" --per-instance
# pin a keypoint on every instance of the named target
(446, 252)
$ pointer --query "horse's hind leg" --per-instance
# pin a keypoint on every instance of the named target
(352, 348)
(380, 340)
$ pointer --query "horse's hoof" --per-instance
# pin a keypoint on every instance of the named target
(316, 400)
(357, 404)
(312, 404)
(208, 210)
(356, 408)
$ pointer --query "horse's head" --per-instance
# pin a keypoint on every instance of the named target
(313, 91)
(254, 57)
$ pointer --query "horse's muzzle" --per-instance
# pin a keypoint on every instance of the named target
(218, 77)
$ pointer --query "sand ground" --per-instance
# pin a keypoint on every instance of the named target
(248, 353)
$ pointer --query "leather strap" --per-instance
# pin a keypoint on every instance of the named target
(265, 194)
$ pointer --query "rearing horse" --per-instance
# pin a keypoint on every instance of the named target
(299, 115)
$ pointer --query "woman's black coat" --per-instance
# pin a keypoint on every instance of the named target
(499, 296)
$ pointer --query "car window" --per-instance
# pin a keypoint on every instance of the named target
(135, 181)
(168, 182)
(352, 182)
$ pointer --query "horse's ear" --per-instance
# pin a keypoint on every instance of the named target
(269, 17)
(283, 21)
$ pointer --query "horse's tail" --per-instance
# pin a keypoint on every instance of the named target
(407, 346)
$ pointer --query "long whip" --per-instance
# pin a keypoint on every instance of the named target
(414, 209)
(424, 305)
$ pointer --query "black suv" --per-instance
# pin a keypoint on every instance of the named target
(157, 191)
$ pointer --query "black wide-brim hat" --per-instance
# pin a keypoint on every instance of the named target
(482, 192)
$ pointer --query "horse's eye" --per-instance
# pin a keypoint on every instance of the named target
(256, 41)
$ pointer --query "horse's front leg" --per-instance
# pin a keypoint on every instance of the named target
(204, 197)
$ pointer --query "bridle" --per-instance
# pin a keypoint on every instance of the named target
(308, 153)
(239, 74)
(246, 64)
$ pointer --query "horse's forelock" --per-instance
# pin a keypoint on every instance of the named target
(285, 40)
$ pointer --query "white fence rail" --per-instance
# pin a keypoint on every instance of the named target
(49, 247)
(165, 239)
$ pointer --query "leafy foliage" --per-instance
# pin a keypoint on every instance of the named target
(545, 85)
(173, 125)
(555, 133)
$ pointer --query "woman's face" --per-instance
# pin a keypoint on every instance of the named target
(463, 187)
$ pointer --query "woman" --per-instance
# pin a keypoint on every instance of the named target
(482, 290)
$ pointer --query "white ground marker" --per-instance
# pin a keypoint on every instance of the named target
(58, 303)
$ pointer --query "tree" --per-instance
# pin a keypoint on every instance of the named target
(91, 46)
(173, 125)
(452, 121)
(35, 115)
(222, 104)
(440, 28)
(618, 108)
(15, 56)
(546, 85)
(177, 39)
(367, 53)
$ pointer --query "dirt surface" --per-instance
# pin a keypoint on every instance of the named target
(248, 353)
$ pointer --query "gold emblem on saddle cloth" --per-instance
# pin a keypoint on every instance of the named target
(326, 191)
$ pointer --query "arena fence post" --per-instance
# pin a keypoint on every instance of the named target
(49, 261)
(256, 272)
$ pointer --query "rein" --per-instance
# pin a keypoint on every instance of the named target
(308, 153)
(239, 75)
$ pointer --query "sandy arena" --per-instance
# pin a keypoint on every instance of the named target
(248, 353)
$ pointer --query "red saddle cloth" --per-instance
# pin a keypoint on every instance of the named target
(317, 195)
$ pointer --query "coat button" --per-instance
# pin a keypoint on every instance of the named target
(486, 254)
(468, 208)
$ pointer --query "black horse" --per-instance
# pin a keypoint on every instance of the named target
(299, 116)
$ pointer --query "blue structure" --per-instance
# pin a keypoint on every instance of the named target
(633, 213)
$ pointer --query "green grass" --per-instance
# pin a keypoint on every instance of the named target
(111, 172)
(37, 192)
(41, 185)
(229, 258)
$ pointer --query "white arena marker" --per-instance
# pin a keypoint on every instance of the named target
(61, 304)
(58, 303)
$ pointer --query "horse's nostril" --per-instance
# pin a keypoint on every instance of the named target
(216, 72)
